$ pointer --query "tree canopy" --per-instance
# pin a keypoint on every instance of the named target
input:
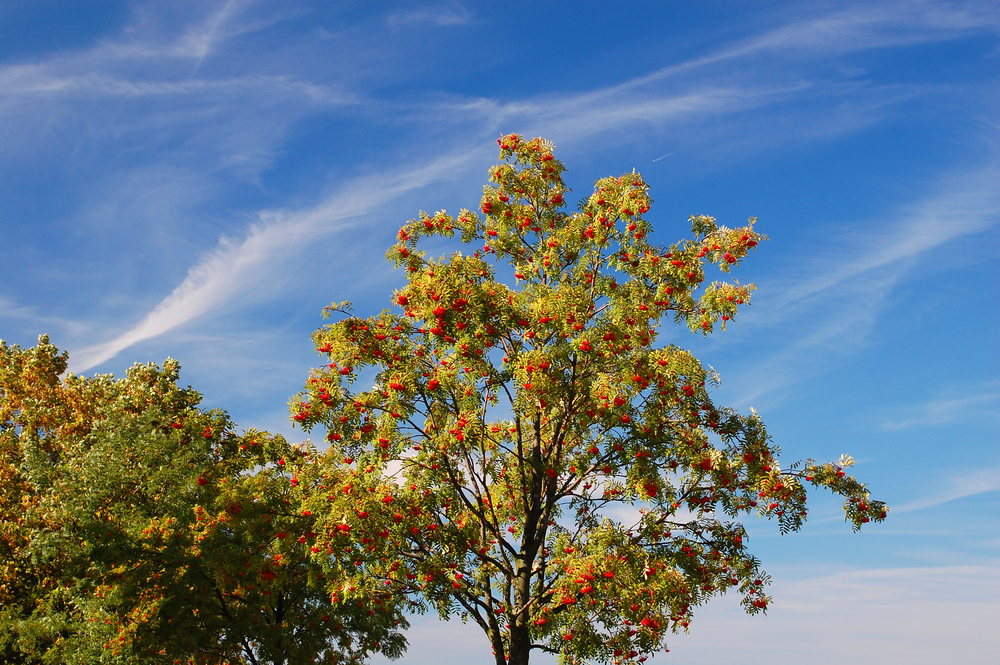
(522, 452)
(139, 528)
(507, 443)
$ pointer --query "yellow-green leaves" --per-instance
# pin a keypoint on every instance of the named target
(526, 454)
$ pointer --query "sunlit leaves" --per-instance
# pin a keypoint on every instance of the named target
(528, 456)
(159, 534)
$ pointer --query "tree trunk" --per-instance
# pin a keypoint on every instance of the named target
(520, 645)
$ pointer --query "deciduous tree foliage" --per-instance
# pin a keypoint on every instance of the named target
(37, 412)
(528, 457)
(150, 532)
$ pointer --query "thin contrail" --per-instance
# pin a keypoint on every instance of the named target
(666, 155)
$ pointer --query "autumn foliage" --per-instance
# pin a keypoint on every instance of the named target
(138, 528)
(527, 456)
(508, 443)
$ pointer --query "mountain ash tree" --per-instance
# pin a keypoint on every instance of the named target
(515, 448)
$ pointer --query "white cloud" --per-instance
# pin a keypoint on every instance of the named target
(11, 310)
(197, 42)
(859, 28)
(701, 111)
(153, 32)
(978, 402)
(238, 268)
(836, 297)
(441, 15)
(965, 204)
(30, 80)
(957, 487)
(970, 206)
(139, 99)
(686, 92)
(149, 60)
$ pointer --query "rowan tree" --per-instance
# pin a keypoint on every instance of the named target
(520, 407)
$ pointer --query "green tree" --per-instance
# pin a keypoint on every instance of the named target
(160, 535)
(38, 411)
(521, 409)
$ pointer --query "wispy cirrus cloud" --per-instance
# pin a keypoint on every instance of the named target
(958, 486)
(236, 268)
(965, 203)
(220, 277)
(182, 32)
(620, 107)
(13, 311)
(686, 90)
(142, 90)
(450, 14)
(866, 26)
(36, 80)
(971, 403)
(861, 27)
(198, 41)
(836, 297)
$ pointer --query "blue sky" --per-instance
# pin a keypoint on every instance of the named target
(198, 180)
